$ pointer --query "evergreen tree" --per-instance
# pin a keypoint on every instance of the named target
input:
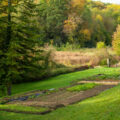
(18, 47)
(5, 33)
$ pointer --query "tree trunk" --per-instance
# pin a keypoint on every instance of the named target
(9, 87)
(3, 90)
(108, 62)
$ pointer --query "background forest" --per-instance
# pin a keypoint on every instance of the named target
(77, 22)
(28, 28)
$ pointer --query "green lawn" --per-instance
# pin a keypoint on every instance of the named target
(105, 106)
(62, 80)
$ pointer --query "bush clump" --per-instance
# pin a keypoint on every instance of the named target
(69, 47)
(112, 60)
(101, 45)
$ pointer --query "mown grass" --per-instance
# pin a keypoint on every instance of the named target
(105, 106)
(82, 87)
(62, 80)
(22, 108)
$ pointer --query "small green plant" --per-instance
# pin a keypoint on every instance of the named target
(103, 62)
(69, 47)
(31, 97)
(101, 45)
(82, 87)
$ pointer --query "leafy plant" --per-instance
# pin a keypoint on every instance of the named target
(101, 45)
(82, 87)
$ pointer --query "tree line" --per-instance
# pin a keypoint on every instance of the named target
(83, 22)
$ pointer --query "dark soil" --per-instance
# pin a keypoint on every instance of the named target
(27, 112)
(63, 98)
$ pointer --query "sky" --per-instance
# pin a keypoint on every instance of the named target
(110, 1)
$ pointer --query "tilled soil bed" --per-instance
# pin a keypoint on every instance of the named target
(63, 98)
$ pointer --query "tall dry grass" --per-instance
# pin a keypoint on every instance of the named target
(90, 57)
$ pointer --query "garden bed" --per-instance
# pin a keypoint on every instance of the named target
(43, 102)
(62, 97)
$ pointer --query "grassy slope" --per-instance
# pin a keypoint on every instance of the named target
(105, 106)
(62, 80)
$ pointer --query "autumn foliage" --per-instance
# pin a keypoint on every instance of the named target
(116, 40)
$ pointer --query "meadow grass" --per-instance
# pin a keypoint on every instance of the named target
(86, 56)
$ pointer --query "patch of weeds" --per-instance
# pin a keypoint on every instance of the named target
(109, 76)
(82, 87)
(100, 77)
(32, 96)
(51, 91)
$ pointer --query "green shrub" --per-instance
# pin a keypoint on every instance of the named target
(101, 45)
(103, 62)
(69, 47)
(112, 59)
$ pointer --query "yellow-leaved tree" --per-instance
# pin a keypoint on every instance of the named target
(116, 40)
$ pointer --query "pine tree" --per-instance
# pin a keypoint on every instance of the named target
(5, 37)
(18, 41)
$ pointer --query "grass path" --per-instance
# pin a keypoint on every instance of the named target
(61, 80)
